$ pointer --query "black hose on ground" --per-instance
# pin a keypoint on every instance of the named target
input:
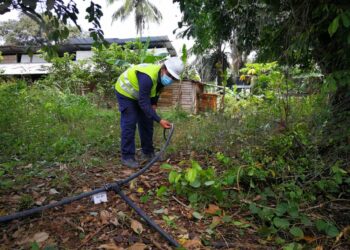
(144, 216)
(106, 187)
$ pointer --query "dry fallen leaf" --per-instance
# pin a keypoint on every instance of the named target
(18, 233)
(40, 237)
(53, 191)
(110, 246)
(193, 244)
(212, 209)
(40, 201)
(183, 238)
(257, 198)
(132, 185)
(136, 226)
(343, 233)
(137, 246)
(127, 172)
(309, 239)
(216, 221)
(115, 222)
(140, 190)
(86, 189)
(105, 217)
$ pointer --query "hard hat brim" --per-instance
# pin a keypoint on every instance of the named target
(172, 73)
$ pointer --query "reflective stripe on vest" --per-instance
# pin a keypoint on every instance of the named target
(125, 84)
(128, 84)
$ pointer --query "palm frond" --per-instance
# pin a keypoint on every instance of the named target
(155, 12)
(124, 11)
(145, 12)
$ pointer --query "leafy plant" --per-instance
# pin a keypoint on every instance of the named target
(196, 183)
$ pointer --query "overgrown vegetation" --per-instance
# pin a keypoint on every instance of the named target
(264, 153)
(99, 74)
(269, 159)
(44, 124)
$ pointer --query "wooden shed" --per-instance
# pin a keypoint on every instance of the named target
(189, 95)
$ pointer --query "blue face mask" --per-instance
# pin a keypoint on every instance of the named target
(166, 80)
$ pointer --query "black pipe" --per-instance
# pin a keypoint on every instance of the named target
(154, 160)
(106, 187)
(35, 210)
(144, 216)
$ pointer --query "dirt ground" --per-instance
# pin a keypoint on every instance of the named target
(113, 224)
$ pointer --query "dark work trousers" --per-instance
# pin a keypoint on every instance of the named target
(132, 114)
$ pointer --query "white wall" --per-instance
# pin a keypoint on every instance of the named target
(35, 59)
(80, 55)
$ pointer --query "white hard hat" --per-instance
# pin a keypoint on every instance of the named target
(174, 66)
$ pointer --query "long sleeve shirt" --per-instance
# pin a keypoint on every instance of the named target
(145, 101)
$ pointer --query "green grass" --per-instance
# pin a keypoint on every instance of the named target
(43, 124)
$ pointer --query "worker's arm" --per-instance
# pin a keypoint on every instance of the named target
(154, 100)
(145, 86)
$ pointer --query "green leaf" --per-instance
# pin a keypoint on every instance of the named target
(161, 191)
(177, 178)
(253, 208)
(173, 176)
(197, 215)
(196, 184)
(191, 175)
(184, 53)
(65, 33)
(144, 198)
(166, 166)
(332, 231)
(196, 165)
(293, 210)
(297, 232)
(327, 227)
(226, 218)
(281, 209)
(280, 241)
(293, 246)
(209, 183)
(34, 246)
(321, 225)
(306, 221)
(267, 231)
(333, 27)
(193, 198)
(346, 20)
(281, 223)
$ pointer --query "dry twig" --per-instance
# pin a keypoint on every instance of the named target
(180, 202)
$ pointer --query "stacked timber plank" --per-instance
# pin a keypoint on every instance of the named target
(184, 94)
(189, 96)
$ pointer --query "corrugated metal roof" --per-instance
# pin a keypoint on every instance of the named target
(75, 44)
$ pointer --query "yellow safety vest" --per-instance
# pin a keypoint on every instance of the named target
(128, 84)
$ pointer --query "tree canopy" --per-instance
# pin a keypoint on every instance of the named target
(288, 31)
(27, 32)
(57, 12)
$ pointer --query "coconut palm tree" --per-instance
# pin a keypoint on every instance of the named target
(143, 10)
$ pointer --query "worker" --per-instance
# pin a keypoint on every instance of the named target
(137, 91)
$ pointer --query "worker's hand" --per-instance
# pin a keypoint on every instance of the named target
(154, 107)
(165, 124)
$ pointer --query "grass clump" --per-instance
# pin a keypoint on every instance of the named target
(41, 123)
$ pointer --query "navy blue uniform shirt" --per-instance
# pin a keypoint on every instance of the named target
(145, 102)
